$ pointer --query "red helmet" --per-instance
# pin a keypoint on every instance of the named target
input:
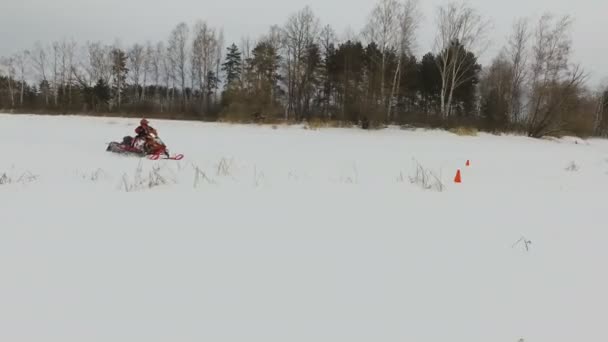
(143, 122)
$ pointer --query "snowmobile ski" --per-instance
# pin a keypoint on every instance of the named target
(165, 157)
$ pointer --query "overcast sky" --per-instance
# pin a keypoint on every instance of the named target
(22, 22)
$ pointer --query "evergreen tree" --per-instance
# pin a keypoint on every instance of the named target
(233, 66)
(212, 83)
(346, 66)
(102, 93)
(408, 86)
(430, 82)
(265, 64)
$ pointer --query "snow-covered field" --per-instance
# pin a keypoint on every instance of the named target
(287, 234)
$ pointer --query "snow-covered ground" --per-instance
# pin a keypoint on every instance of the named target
(287, 234)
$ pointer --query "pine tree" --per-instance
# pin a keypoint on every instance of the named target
(102, 93)
(430, 83)
(265, 64)
(233, 66)
(346, 71)
(211, 82)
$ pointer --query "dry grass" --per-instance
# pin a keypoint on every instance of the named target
(201, 176)
(572, 167)
(424, 178)
(24, 178)
(94, 176)
(224, 168)
(158, 176)
(317, 123)
(464, 131)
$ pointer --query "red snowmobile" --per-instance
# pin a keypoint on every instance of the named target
(150, 146)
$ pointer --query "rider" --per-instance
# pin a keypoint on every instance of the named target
(144, 131)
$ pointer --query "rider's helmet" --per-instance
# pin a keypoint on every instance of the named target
(143, 122)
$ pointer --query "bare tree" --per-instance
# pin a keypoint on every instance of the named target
(553, 80)
(495, 90)
(101, 62)
(601, 110)
(327, 39)
(219, 53)
(136, 57)
(383, 28)
(204, 57)
(67, 50)
(178, 55)
(246, 47)
(9, 63)
(21, 59)
(409, 21)
(146, 66)
(71, 51)
(39, 58)
(156, 67)
(301, 31)
(195, 59)
(349, 34)
(168, 70)
(518, 53)
(56, 83)
(460, 30)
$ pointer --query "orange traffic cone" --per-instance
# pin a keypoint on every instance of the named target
(458, 178)
(468, 163)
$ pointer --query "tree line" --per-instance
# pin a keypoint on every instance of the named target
(302, 70)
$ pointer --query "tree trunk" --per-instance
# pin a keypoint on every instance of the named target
(10, 90)
(22, 92)
(390, 101)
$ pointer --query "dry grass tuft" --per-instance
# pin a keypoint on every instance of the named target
(464, 131)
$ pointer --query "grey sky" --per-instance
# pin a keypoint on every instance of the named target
(22, 22)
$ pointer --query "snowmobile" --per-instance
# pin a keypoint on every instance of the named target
(151, 147)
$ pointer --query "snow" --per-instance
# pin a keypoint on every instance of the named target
(298, 235)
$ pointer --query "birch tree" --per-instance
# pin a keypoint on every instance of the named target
(21, 59)
(383, 29)
(146, 66)
(135, 65)
(460, 30)
(39, 58)
(409, 21)
(119, 74)
(204, 57)
(56, 61)
(168, 72)
(67, 53)
(178, 55)
(518, 54)
(219, 54)
(156, 65)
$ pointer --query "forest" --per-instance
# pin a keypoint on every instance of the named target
(303, 71)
